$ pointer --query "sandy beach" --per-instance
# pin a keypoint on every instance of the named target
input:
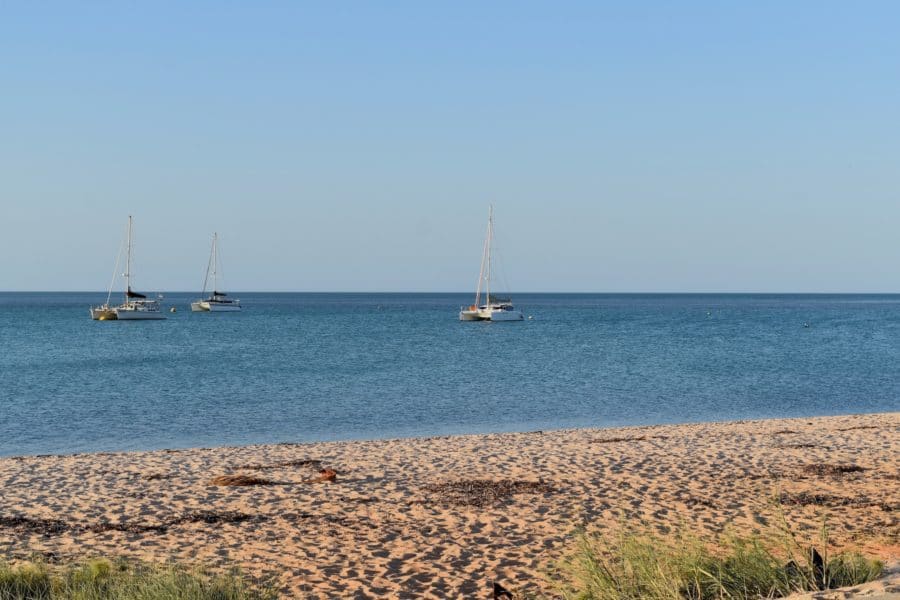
(445, 516)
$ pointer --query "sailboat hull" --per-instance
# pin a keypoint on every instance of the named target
(139, 310)
(221, 307)
(505, 315)
(491, 314)
(103, 313)
(470, 315)
(207, 306)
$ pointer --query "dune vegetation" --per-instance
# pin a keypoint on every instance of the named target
(108, 580)
(639, 564)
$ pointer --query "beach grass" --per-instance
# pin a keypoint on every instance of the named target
(637, 564)
(110, 580)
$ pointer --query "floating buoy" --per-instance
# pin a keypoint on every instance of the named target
(173, 309)
(531, 317)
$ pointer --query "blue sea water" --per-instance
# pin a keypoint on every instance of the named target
(308, 367)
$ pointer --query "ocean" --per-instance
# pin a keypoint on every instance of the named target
(316, 366)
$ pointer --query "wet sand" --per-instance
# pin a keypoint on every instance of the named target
(445, 516)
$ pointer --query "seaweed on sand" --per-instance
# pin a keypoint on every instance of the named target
(484, 492)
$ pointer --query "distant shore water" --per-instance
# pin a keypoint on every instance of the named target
(316, 367)
(445, 516)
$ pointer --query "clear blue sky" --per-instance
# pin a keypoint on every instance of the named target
(635, 146)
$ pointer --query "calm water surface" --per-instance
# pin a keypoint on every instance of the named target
(306, 367)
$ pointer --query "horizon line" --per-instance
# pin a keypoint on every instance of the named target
(529, 293)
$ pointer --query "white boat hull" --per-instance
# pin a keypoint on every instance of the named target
(141, 312)
(470, 315)
(218, 307)
(103, 313)
(206, 306)
(491, 314)
(505, 315)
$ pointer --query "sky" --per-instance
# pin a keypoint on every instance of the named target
(356, 146)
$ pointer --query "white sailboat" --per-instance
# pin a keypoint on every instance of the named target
(217, 301)
(494, 308)
(135, 307)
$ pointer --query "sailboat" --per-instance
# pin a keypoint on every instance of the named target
(217, 301)
(494, 308)
(136, 306)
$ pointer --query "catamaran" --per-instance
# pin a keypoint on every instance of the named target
(494, 308)
(217, 301)
(135, 307)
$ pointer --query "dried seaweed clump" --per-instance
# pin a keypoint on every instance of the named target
(613, 440)
(634, 438)
(831, 470)
(484, 492)
(830, 500)
(212, 517)
(42, 526)
(240, 480)
(56, 527)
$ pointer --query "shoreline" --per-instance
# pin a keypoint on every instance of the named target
(444, 515)
(428, 436)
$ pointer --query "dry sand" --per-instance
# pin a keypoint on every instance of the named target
(397, 522)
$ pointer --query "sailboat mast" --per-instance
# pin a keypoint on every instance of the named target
(115, 273)
(215, 262)
(208, 263)
(490, 236)
(484, 251)
(128, 263)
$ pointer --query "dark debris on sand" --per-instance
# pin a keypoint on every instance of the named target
(484, 492)
(58, 527)
(831, 470)
(635, 438)
(832, 501)
(812, 499)
(42, 526)
(240, 480)
(694, 501)
(198, 516)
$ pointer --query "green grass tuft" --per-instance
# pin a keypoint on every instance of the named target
(638, 565)
(105, 580)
